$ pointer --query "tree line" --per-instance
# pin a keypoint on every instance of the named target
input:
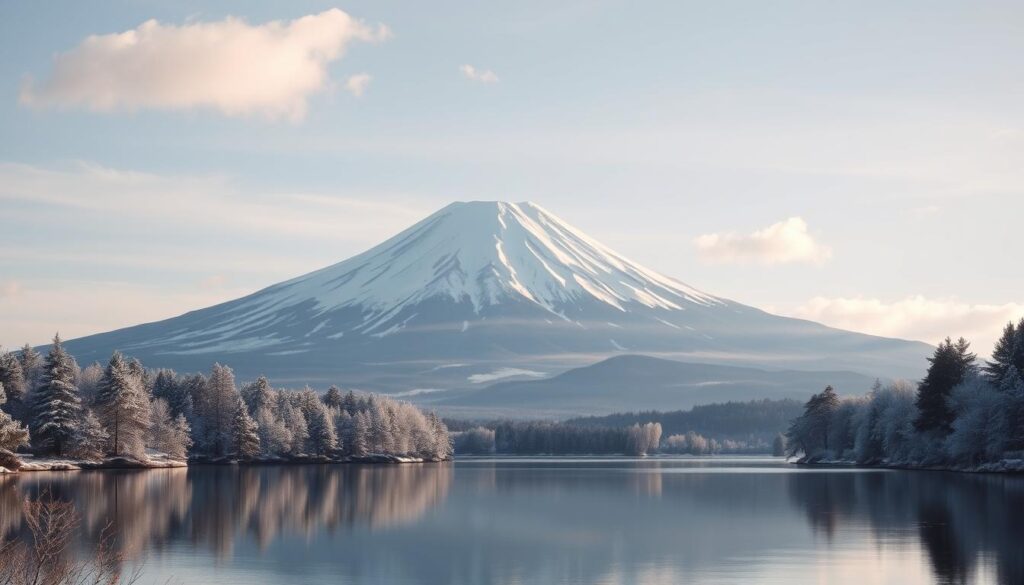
(121, 409)
(961, 413)
(554, 438)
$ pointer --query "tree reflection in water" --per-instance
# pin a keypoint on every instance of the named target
(961, 520)
(214, 506)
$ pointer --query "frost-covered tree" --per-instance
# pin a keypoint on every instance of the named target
(56, 407)
(360, 434)
(31, 367)
(297, 427)
(168, 433)
(89, 382)
(322, 437)
(779, 445)
(122, 406)
(949, 366)
(275, 438)
(13, 380)
(258, 394)
(441, 442)
(333, 398)
(215, 408)
(168, 386)
(90, 438)
(245, 439)
(12, 434)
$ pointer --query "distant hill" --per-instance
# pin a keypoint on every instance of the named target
(626, 383)
(756, 421)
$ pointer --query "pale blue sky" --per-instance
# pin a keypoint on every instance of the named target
(895, 131)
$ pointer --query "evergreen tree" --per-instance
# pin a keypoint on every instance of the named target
(12, 433)
(122, 406)
(810, 432)
(56, 406)
(333, 398)
(360, 435)
(257, 394)
(168, 386)
(779, 445)
(348, 403)
(216, 407)
(245, 439)
(949, 366)
(168, 433)
(90, 439)
(322, 437)
(1002, 355)
(13, 380)
(31, 367)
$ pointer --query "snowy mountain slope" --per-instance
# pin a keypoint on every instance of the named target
(473, 292)
(620, 383)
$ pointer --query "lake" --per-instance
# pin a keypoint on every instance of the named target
(481, 521)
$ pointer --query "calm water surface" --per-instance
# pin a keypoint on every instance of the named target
(549, 521)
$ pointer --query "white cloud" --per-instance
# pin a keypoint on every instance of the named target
(230, 66)
(481, 75)
(780, 243)
(915, 317)
(357, 84)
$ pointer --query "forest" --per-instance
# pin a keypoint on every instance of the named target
(54, 409)
(963, 414)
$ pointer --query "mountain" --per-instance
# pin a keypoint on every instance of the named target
(479, 292)
(632, 382)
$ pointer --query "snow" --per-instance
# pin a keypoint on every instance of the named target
(501, 373)
(617, 346)
(485, 253)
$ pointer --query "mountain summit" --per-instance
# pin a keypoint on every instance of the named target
(481, 291)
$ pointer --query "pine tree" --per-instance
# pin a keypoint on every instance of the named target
(1002, 355)
(360, 434)
(90, 439)
(322, 436)
(13, 380)
(949, 366)
(168, 386)
(168, 433)
(216, 407)
(245, 440)
(12, 433)
(56, 407)
(122, 406)
(258, 394)
(333, 398)
(31, 367)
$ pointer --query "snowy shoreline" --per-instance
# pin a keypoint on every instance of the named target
(34, 465)
(1004, 466)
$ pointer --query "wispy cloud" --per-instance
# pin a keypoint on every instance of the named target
(481, 75)
(357, 84)
(785, 242)
(229, 66)
(914, 317)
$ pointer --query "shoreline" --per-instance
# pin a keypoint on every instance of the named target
(125, 463)
(1006, 466)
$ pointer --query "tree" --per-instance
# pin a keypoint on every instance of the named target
(31, 367)
(1002, 355)
(333, 398)
(122, 406)
(245, 440)
(258, 394)
(275, 438)
(779, 445)
(322, 437)
(948, 367)
(216, 407)
(89, 382)
(12, 378)
(12, 433)
(90, 438)
(56, 405)
(809, 433)
(360, 434)
(169, 387)
(168, 433)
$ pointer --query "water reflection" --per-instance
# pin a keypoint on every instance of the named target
(963, 522)
(494, 522)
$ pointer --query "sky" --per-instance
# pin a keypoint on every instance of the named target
(858, 164)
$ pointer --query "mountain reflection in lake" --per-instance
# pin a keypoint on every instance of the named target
(496, 521)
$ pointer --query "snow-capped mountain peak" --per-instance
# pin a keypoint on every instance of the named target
(486, 252)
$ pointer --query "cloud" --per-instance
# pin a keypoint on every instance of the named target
(914, 317)
(10, 289)
(357, 84)
(784, 242)
(481, 75)
(229, 66)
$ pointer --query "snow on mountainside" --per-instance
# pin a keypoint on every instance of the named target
(475, 291)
